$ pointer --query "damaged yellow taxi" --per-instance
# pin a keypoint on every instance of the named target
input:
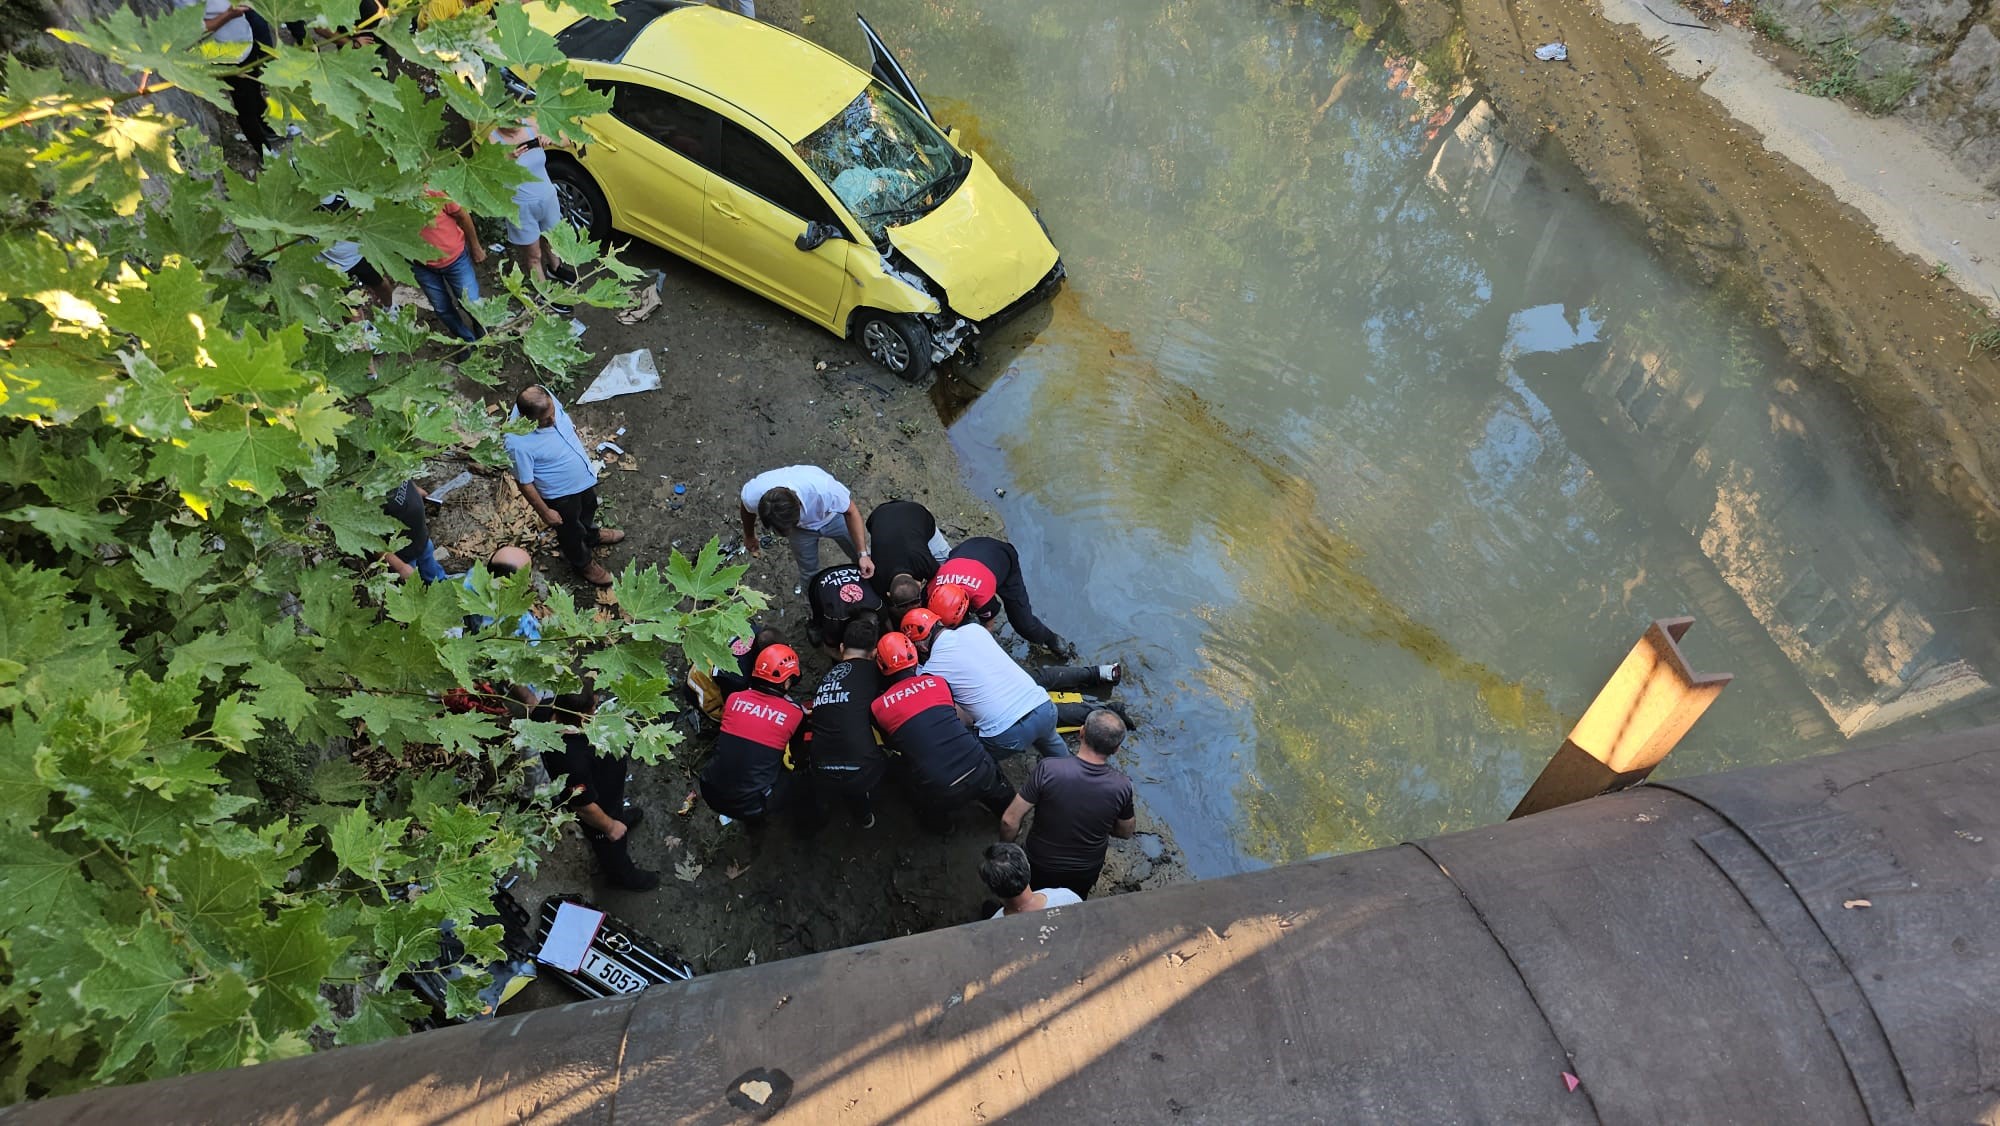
(782, 167)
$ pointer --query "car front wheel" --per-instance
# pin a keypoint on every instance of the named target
(583, 204)
(896, 341)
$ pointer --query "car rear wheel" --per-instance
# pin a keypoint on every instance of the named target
(583, 204)
(897, 341)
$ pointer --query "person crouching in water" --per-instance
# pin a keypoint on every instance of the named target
(847, 758)
(749, 776)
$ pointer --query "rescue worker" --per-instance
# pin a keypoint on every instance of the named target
(838, 595)
(947, 766)
(749, 776)
(1000, 699)
(847, 759)
(990, 571)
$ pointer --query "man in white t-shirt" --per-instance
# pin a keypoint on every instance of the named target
(1004, 869)
(803, 503)
(230, 38)
(1008, 709)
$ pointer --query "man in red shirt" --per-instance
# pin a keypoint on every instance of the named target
(449, 279)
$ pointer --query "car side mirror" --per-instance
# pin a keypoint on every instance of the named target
(816, 234)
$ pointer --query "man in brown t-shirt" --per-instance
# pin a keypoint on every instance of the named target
(1080, 801)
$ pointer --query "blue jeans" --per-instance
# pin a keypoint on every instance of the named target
(427, 564)
(1036, 729)
(446, 286)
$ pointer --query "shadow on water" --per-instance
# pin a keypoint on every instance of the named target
(1371, 442)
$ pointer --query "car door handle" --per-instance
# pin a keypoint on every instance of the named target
(726, 210)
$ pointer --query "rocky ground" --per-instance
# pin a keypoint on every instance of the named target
(747, 386)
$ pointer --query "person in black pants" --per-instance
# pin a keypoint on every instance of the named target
(990, 571)
(595, 791)
(559, 482)
(904, 537)
(946, 764)
(848, 761)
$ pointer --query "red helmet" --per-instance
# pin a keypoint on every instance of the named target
(894, 653)
(919, 624)
(949, 602)
(776, 664)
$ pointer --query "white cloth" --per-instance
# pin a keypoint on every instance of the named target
(342, 254)
(235, 31)
(984, 680)
(821, 498)
(1057, 897)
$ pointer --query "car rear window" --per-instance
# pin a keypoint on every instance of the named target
(606, 41)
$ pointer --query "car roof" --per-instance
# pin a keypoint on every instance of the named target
(789, 84)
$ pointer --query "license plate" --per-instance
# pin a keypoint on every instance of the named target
(609, 973)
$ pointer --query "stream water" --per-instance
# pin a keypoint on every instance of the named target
(1371, 444)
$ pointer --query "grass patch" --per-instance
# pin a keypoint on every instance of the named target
(1985, 340)
(1884, 93)
(1767, 25)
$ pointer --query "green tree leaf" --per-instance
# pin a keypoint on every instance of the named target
(367, 847)
(173, 564)
(381, 1016)
(134, 989)
(43, 883)
(76, 531)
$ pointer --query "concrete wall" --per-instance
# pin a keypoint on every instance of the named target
(1812, 942)
(1951, 47)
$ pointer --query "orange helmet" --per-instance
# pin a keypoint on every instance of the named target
(776, 664)
(894, 653)
(919, 624)
(949, 602)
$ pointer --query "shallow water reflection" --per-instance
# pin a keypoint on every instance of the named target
(1372, 444)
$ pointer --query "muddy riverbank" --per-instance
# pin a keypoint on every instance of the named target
(1707, 192)
(746, 386)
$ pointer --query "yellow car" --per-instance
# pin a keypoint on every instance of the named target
(784, 168)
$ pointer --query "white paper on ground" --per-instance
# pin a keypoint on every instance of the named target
(624, 375)
(438, 494)
(569, 936)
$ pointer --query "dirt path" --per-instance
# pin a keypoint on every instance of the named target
(1706, 191)
(743, 389)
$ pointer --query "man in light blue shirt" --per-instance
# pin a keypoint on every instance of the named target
(556, 476)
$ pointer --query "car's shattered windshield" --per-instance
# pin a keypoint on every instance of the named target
(882, 158)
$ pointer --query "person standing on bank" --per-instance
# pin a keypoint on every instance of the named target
(537, 211)
(595, 787)
(233, 40)
(449, 280)
(559, 482)
(1080, 801)
(418, 557)
(803, 503)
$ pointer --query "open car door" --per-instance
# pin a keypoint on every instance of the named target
(883, 64)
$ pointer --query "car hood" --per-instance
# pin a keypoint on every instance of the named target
(981, 244)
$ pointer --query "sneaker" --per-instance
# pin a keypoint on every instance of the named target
(1111, 674)
(596, 575)
(642, 880)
